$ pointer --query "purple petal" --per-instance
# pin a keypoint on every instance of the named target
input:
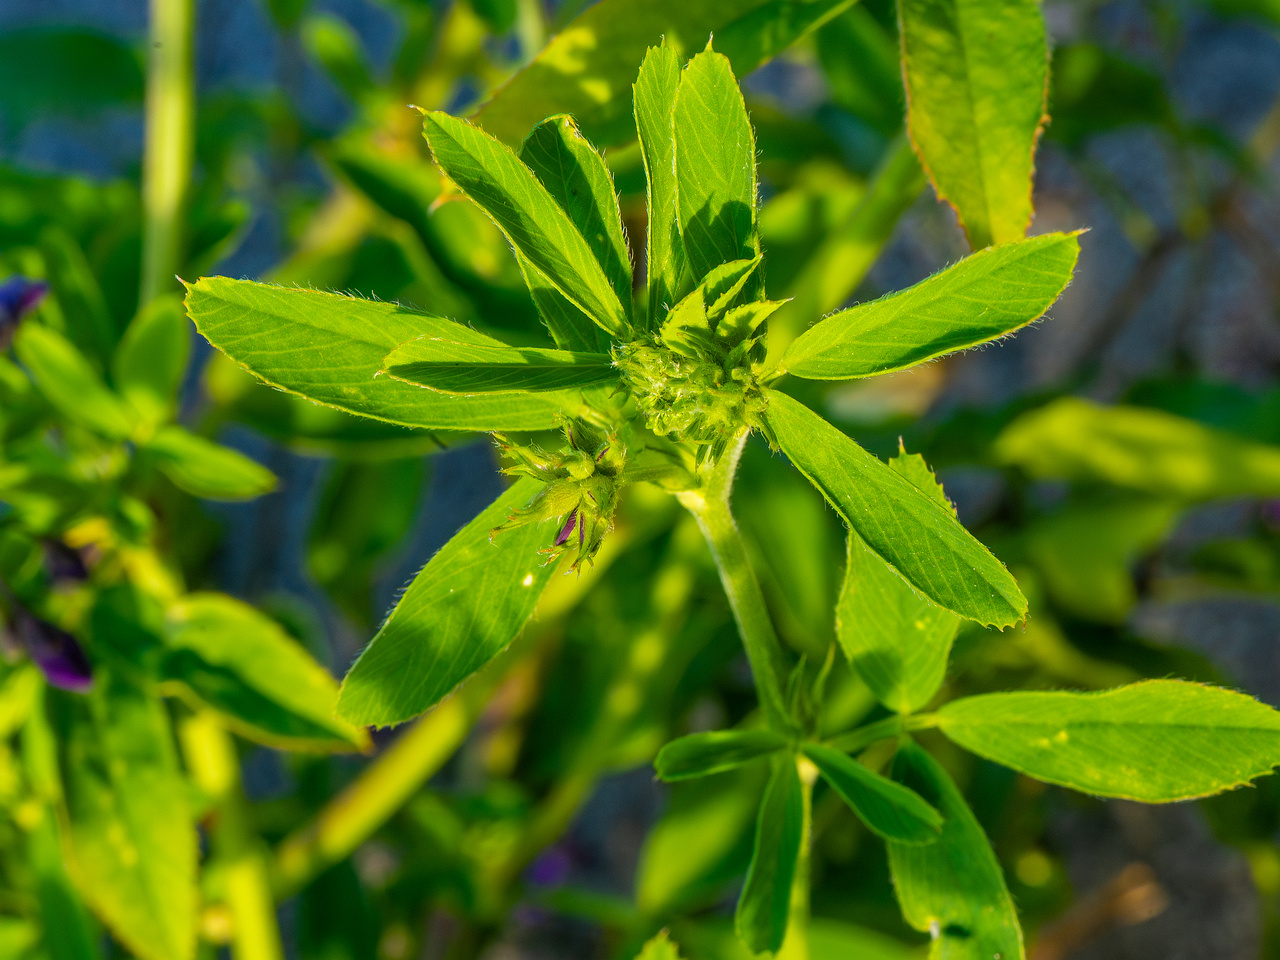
(20, 295)
(57, 654)
(563, 536)
(63, 563)
(551, 869)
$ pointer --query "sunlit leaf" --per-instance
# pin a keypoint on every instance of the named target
(654, 95)
(953, 888)
(151, 358)
(987, 295)
(659, 948)
(466, 368)
(1156, 741)
(700, 754)
(889, 809)
(466, 605)
(206, 469)
(490, 174)
(278, 333)
(763, 906)
(904, 527)
(243, 664)
(1140, 449)
(65, 377)
(976, 74)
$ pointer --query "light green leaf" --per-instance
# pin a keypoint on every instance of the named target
(587, 69)
(1137, 448)
(278, 333)
(148, 364)
(700, 754)
(133, 843)
(654, 96)
(244, 665)
(659, 948)
(761, 916)
(889, 809)
(67, 380)
(897, 640)
(976, 76)
(1156, 741)
(835, 940)
(466, 605)
(953, 888)
(467, 368)
(904, 527)
(207, 469)
(576, 177)
(987, 295)
(569, 327)
(715, 152)
(532, 220)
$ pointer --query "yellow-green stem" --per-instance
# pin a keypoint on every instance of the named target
(170, 134)
(240, 856)
(709, 505)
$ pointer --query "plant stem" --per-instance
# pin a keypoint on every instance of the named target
(709, 505)
(211, 757)
(170, 134)
(863, 737)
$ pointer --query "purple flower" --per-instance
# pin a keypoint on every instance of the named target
(19, 295)
(57, 654)
(551, 869)
(567, 530)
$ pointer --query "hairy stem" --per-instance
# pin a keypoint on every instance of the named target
(170, 134)
(709, 505)
(215, 768)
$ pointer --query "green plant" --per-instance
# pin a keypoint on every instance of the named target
(664, 386)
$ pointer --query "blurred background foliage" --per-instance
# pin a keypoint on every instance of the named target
(205, 545)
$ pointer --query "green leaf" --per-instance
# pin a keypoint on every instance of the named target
(1156, 741)
(659, 948)
(904, 527)
(715, 151)
(953, 888)
(490, 174)
(467, 368)
(243, 664)
(976, 75)
(987, 295)
(587, 69)
(132, 840)
(860, 65)
(466, 605)
(67, 380)
(654, 95)
(701, 754)
(835, 940)
(569, 327)
(277, 333)
(889, 809)
(206, 469)
(1140, 449)
(148, 364)
(576, 177)
(761, 917)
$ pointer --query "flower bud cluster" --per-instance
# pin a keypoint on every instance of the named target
(581, 483)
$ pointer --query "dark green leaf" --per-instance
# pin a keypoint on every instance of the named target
(701, 754)
(48, 69)
(986, 295)
(466, 368)
(278, 334)
(205, 469)
(654, 96)
(976, 76)
(466, 605)
(889, 809)
(70, 383)
(245, 665)
(133, 842)
(715, 166)
(904, 527)
(491, 175)
(763, 907)
(953, 888)
(1156, 741)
